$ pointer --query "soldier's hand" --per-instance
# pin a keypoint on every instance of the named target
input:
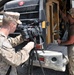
(59, 41)
(29, 46)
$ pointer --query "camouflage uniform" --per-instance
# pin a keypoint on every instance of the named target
(8, 56)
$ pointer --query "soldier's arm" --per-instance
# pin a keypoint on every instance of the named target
(16, 41)
(16, 58)
(69, 42)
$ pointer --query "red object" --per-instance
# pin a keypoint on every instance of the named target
(38, 46)
(21, 3)
(41, 59)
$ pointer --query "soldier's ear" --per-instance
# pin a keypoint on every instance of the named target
(11, 23)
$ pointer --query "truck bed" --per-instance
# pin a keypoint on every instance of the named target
(22, 70)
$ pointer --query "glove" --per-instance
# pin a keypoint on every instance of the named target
(29, 46)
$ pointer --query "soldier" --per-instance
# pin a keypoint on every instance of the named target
(70, 42)
(8, 56)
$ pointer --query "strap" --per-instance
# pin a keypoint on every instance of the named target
(9, 70)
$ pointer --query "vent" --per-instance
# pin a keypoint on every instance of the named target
(28, 12)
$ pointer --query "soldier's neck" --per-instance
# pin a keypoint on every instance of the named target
(5, 31)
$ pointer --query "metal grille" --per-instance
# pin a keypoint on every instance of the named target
(28, 12)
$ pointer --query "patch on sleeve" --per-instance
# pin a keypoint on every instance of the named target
(6, 44)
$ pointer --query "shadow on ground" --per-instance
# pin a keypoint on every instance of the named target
(37, 71)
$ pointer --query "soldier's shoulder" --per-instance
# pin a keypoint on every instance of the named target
(6, 44)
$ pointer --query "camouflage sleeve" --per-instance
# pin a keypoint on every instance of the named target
(15, 58)
(16, 41)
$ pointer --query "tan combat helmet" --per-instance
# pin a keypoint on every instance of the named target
(12, 16)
